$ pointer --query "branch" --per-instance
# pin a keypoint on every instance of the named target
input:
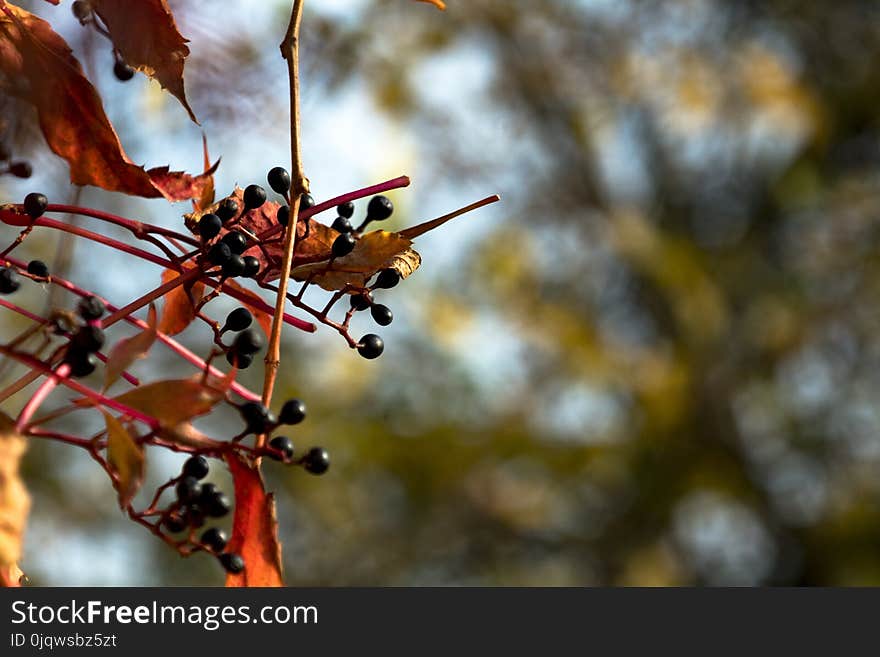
(299, 185)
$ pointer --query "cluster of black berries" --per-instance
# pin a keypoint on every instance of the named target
(260, 420)
(86, 339)
(196, 501)
(227, 252)
(279, 181)
(17, 168)
(247, 343)
(378, 209)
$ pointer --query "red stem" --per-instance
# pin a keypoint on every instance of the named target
(136, 227)
(39, 396)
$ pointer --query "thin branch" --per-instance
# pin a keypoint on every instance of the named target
(299, 185)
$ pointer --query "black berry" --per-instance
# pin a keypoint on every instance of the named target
(9, 282)
(236, 242)
(346, 210)
(196, 466)
(238, 320)
(38, 268)
(35, 204)
(293, 412)
(81, 364)
(88, 339)
(219, 254)
(342, 225)
(279, 180)
(194, 516)
(232, 562)
(122, 71)
(379, 208)
(81, 10)
(209, 225)
(227, 209)
(188, 490)
(306, 201)
(248, 342)
(21, 169)
(214, 539)
(251, 266)
(241, 361)
(218, 505)
(316, 461)
(254, 197)
(233, 267)
(382, 315)
(209, 489)
(91, 308)
(360, 301)
(284, 446)
(174, 523)
(343, 245)
(283, 215)
(387, 279)
(371, 346)
(257, 418)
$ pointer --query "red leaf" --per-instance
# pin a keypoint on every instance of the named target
(254, 528)
(42, 71)
(180, 304)
(146, 36)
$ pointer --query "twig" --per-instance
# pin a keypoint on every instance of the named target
(299, 185)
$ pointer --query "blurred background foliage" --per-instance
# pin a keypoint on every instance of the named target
(654, 363)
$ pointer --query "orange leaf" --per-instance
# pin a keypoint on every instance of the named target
(437, 3)
(126, 459)
(14, 500)
(146, 36)
(42, 71)
(128, 350)
(180, 304)
(174, 401)
(254, 528)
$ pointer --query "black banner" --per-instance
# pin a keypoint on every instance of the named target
(230, 621)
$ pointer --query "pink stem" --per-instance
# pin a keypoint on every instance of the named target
(62, 437)
(36, 318)
(395, 183)
(37, 364)
(39, 396)
(136, 227)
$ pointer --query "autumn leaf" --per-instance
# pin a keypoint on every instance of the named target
(126, 459)
(254, 528)
(179, 309)
(14, 500)
(373, 252)
(129, 350)
(42, 71)
(174, 401)
(147, 38)
(437, 3)
(206, 198)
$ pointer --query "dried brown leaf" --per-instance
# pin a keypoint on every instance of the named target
(129, 350)
(374, 251)
(126, 459)
(14, 499)
(174, 401)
